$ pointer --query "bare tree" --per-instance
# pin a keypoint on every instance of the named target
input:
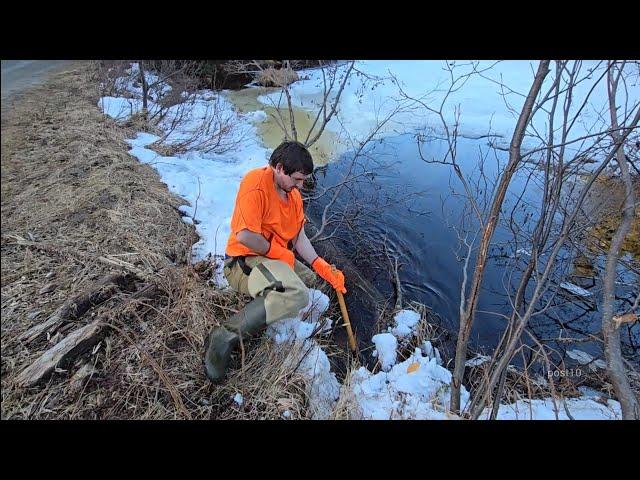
(615, 367)
(552, 202)
(468, 313)
(563, 197)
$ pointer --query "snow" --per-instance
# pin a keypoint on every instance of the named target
(371, 96)
(386, 345)
(207, 179)
(582, 408)
(318, 304)
(406, 322)
(477, 360)
(417, 388)
(120, 108)
(429, 351)
(583, 358)
(576, 290)
(323, 389)
(294, 329)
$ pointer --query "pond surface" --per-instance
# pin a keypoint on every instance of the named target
(418, 222)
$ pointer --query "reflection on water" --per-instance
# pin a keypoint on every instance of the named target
(420, 230)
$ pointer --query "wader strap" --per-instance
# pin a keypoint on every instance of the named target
(270, 278)
(243, 265)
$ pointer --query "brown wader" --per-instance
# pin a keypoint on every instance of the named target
(278, 291)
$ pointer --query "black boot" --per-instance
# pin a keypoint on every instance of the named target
(222, 340)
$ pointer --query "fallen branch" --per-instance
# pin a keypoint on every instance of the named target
(126, 265)
(77, 342)
(76, 307)
(66, 350)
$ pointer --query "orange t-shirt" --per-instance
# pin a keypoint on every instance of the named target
(260, 209)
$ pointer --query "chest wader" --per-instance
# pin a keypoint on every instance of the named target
(278, 293)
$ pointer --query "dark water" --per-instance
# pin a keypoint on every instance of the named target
(416, 220)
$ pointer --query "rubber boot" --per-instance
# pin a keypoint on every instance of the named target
(222, 340)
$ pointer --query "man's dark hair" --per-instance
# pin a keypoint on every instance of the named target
(293, 156)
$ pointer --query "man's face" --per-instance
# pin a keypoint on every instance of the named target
(289, 182)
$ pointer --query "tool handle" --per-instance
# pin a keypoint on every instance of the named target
(345, 316)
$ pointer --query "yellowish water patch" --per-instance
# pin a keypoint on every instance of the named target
(327, 148)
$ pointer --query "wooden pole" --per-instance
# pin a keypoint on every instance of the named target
(345, 316)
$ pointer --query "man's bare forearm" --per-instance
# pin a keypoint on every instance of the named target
(304, 248)
(254, 241)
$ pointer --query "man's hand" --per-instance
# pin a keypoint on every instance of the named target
(323, 269)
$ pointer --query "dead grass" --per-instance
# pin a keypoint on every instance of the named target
(268, 382)
(272, 77)
(72, 197)
(607, 199)
(346, 407)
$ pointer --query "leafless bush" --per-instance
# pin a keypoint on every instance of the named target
(171, 106)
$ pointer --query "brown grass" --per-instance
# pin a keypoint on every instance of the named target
(271, 77)
(607, 199)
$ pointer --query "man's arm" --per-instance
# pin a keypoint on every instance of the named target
(304, 248)
(254, 241)
(320, 266)
(261, 246)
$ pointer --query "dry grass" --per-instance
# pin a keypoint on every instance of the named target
(271, 77)
(72, 197)
(607, 199)
(346, 407)
(268, 382)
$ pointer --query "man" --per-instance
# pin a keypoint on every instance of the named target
(267, 220)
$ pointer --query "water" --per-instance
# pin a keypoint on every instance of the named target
(417, 226)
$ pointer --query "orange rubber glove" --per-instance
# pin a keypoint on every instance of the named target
(278, 252)
(323, 269)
